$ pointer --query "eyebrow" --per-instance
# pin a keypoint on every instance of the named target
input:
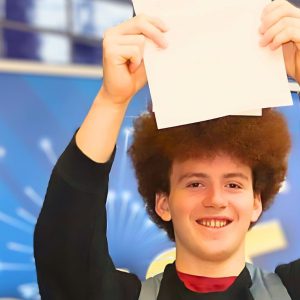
(206, 176)
(237, 174)
(190, 175)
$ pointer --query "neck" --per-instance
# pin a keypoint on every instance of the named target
(211, 267)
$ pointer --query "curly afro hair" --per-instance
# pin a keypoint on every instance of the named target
(262, 143)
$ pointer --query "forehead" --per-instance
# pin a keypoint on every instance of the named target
(218, 164)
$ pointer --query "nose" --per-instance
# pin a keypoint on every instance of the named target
(215, 198)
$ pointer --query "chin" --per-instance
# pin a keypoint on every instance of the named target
(216, 255)
(218, 251)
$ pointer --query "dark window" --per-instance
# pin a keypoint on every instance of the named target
(58, 31)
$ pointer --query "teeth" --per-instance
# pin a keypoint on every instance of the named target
(213, 223)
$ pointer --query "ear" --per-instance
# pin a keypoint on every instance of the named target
(162, 206)
(257, 207)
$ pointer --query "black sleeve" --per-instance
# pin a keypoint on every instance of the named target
(290, 276)
(70, 245)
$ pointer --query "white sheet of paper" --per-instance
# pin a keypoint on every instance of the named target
(213, 65)
(253, 112)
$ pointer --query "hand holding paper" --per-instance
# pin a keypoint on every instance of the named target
(280, 26)
(123, 51)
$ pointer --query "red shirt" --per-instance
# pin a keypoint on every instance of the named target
(202, 284)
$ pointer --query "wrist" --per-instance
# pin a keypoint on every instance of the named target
(109, 100)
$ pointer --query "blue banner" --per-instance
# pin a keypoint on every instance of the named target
(38, 116)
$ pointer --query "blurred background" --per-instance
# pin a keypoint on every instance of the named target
(58, 31)
(50, 71)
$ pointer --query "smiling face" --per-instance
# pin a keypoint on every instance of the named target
(211, 204)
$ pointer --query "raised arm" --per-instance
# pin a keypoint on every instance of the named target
(70, 244)
(124, 76)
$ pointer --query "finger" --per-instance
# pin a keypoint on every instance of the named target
(132, 55)
(278, 27)
(139, 20)
(273, 16)
(133, 40)
(137, 39)
(122, 54)
(158, 23)
(133, 67)
(273, 5)
(126, 40)
(152, 28)
(285, 36)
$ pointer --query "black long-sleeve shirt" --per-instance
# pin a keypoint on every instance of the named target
(71, 250)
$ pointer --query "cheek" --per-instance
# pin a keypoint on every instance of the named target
(183, 206)
(244, 207)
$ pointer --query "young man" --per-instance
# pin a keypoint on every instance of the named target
(204, 183)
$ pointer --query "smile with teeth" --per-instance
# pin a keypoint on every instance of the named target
(213, 223)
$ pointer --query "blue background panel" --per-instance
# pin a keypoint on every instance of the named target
(38, 116)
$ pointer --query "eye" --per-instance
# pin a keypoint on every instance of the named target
(233, 186)
(195, 185)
